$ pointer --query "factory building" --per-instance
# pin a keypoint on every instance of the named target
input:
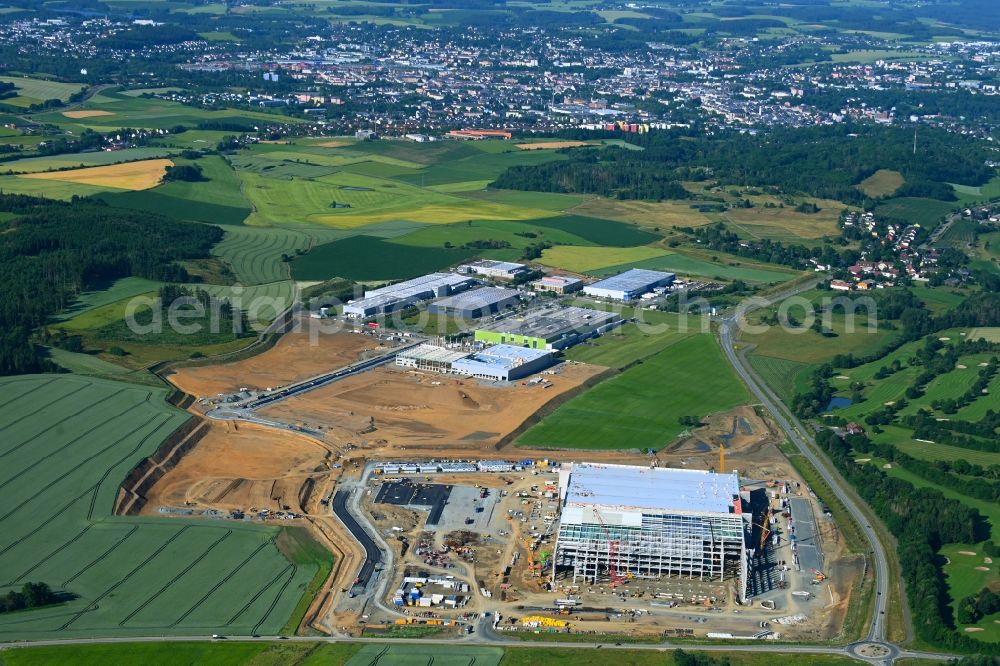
(497, 270)
(621, 522)
(476, 303)
(629, 285)
(551, 327)
(428, 358)
(503, 363)
(558, 284)
(404, 294)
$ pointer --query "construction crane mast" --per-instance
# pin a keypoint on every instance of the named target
(613, 544)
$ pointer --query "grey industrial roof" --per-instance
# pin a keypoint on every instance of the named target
(476, 299)
(429, 282)
(630, 280)
(551, 321)
(658, 489)
(432, 353)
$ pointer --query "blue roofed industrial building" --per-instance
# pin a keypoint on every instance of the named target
(503, 363)
(629, 285)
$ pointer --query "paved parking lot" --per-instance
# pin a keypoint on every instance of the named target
(805, 535)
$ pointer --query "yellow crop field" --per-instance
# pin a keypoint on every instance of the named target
(129, 176)
(990, 334)
(584, 259)
(86, 113)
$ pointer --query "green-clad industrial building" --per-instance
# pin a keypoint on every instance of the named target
(552, 327)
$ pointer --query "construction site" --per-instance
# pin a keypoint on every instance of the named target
(407, 474)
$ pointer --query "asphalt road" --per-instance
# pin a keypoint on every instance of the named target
(373, 555)
(799, 436)
(497, 639)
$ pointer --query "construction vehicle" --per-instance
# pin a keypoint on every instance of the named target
(819, 576)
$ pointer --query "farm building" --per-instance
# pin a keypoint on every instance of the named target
(497, 270)
(406, 293)
(551, 327)
(503, 363)
(558, 284)
(623, 521)
(476, 303)
(629, 285)
(429, 358)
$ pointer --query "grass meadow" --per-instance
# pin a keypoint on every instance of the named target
(640, 408)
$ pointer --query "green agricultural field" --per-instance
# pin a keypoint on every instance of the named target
(590, 259)
(50, 189)
(640, 408)
(734, 268)
(960, 235)
(36, 91)
(100, 158)
(635, 341)
(216, 200)
(106, 327)
(370, 258)
(928, 213)
(123, 288)
(118, 110)
(67, 443)
(882, 183)
(968, 194)
(597, 231)
(539, 200)
(345, 200)
(781, 374)
(456, 655)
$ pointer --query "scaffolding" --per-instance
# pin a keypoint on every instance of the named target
(603, 542)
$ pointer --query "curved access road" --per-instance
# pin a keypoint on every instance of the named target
(800, 437)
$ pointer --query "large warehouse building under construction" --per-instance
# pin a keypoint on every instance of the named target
(620, 522)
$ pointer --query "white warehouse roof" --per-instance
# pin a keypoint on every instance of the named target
(658, 489)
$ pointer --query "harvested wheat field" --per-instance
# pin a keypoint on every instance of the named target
(297, 356)
(242, 465)
(128, 176)
(335, 143)
(394, 408)
(86, 113)
(553, 145)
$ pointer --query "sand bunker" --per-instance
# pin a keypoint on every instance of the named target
(982, 568)
(966, 552)
(973, 630)
(887, 466)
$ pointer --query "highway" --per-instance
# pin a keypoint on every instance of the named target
(799, 436)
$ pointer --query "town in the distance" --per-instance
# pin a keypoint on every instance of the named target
(493, 332)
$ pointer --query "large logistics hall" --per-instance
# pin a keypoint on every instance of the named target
(623, 521)
(629, 285)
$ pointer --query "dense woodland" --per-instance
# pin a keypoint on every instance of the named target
(826, 162)
(53, 251)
